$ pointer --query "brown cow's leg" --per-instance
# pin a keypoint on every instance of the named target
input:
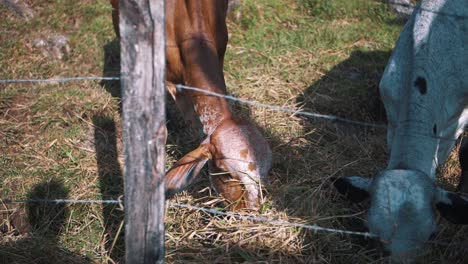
(185, 105)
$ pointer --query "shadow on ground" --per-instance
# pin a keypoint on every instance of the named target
(110, 182)
(37, 241)
(350, 89)
(302, 179)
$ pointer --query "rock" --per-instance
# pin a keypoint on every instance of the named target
(13, 220)
(53, 46)
(403, 8)
(233, 10)
(20, 8)
(233, 4)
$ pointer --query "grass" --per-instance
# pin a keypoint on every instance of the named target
(64, 140)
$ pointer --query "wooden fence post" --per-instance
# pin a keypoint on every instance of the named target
(142, 42)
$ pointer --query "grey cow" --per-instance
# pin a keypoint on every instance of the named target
(425, 93)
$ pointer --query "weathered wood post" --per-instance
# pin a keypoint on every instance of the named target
(142, 42)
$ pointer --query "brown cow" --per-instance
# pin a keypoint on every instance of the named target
(196, 39)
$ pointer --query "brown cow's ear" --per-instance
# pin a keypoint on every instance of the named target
(185, 171)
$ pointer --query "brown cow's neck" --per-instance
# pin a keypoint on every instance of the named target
(196, 42)
(203, 70)
(211, 111)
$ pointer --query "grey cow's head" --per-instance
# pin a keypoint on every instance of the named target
(401, 211)
(425, 92)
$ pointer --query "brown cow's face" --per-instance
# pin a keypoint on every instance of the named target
(245, 158)
(239, 159)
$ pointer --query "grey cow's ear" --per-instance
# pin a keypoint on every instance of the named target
(452, 206)
(355, 188)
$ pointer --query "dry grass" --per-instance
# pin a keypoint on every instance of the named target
(64, 140)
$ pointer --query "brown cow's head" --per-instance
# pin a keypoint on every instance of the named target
(239, 159)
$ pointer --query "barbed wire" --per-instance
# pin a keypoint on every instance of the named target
(228, 97)
(59, 80)
(60, 201)
(277, 222)
(314, 228)
(282, 109)
(289, 110)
